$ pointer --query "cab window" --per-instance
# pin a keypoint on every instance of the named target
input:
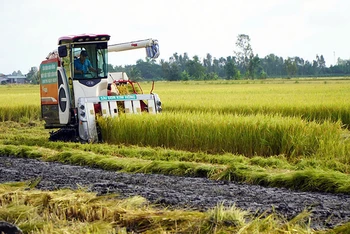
(89, 61)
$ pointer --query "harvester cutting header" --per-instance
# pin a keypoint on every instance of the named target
(75, 86)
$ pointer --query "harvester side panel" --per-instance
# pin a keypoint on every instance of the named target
(136, 107)
(152, 107)
(48, 92)
(113, 109)
(105, 109)
(64, 97)
(128, 107)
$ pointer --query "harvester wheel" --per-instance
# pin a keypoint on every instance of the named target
(99, 133)
(68, 134)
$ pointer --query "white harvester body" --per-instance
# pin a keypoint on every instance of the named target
(74, 92)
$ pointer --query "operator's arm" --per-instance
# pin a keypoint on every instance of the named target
(92, 69)
(90, 66)
(76, 71)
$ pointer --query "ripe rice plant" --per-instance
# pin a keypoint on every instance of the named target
(14, 95)
(19, 113)
(19, 102)
(308, 99)
(263, 135)
(67, 211)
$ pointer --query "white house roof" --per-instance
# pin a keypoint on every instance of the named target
(16, 77)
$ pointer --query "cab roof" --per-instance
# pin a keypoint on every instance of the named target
(83, 38)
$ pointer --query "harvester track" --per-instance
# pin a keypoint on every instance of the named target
(328, 210)
(65, 134)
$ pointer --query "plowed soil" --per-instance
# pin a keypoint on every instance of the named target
(328, 210)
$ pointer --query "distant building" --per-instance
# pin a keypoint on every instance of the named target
(3, 80)
(34, 69)
(12, 79)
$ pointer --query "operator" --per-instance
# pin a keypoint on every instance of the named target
(82, 65)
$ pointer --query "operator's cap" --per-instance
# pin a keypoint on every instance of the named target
(84, 53)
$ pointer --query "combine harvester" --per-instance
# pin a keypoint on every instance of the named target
(72, 96)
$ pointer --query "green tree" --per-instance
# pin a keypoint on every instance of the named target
(321, 64)
(308, 70)
(219, 67)
(121, 68)
(175, 73)
(110, 68)
(207, 63)
(135, 74)
(211, 76)
(195, 69)
(32, 76)
(315, 67)
(290, 66)
(149, 69)
(244, 51)
(254, 67)
(171, 71)
(300, 65)
(185, 76)
(231, 70)
(165, 69)
(183, 60)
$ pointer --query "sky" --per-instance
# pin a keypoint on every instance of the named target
(29, 30)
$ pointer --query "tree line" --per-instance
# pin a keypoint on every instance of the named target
(243, 64)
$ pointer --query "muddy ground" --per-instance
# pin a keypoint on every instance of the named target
(328, 210)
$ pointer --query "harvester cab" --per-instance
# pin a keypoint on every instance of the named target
(75, 87)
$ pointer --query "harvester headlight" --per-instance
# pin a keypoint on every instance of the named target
(82, 107)
(83, 114)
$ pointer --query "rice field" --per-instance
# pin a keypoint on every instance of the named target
(293, 118)
(19, 102)
(283, 133)
(280, 117)
(305, 98)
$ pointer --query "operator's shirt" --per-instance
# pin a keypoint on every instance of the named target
(82, 66)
